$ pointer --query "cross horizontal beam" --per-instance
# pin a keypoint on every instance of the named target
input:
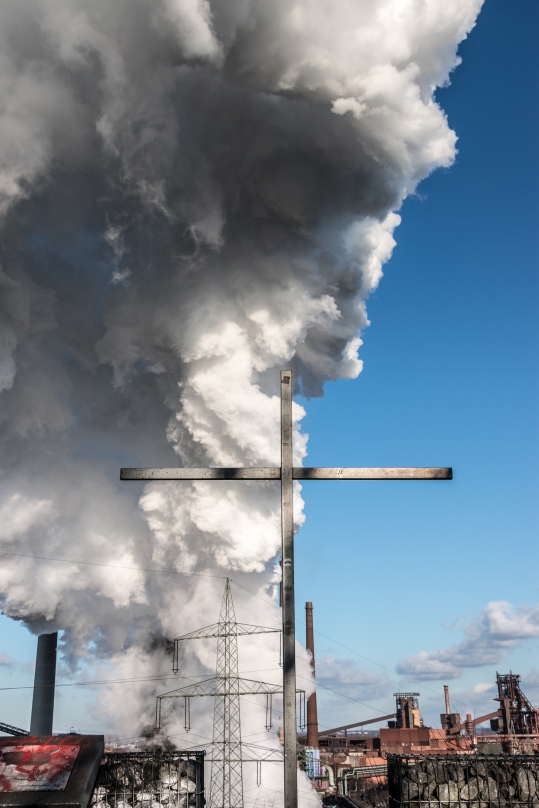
(298, 473)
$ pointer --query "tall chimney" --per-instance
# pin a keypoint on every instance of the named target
(44, 681)
(312, 712)
(447, 704)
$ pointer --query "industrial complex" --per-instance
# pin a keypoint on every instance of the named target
(348, 765)
(351, 762)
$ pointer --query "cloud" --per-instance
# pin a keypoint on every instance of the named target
(497, 629)
(347, 677)
(5, 660)
(483, 687)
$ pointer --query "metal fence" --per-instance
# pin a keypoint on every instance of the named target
(474, 781)
(150, 780)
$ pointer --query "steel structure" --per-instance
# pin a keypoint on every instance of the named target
(519, 716)
(346, 727)
(287, 473)
(228, 751)
(11, 730)
(407, 709)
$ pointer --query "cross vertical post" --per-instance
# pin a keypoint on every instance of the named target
(288, 607)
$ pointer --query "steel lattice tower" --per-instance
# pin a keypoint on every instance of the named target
(228, 751)
(226, 780)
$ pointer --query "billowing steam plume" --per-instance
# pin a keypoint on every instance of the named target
(194, 194)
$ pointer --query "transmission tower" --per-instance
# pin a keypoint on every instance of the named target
(228, 751)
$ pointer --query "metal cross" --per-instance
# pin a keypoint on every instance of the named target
(287, 473)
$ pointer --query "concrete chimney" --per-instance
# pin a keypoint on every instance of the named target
(44, 681)
(312, 712)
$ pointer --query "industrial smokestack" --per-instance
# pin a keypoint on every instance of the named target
(447, 703)
(312, 712)
(44, 681)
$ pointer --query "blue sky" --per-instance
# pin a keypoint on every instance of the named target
(450, 378)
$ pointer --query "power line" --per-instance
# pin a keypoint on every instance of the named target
(254, 594)
(119, 681)
(344, 696)
(113, 566)
(352, 651)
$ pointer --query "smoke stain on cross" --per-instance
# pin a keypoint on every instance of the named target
(287, 473)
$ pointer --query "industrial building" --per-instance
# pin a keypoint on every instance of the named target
(351, 761)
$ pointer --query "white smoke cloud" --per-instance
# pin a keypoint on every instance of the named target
(194, 194)
(497, 629)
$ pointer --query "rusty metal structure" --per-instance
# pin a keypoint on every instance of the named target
(327, 735)
(449, 720)
(287, 473)
(312, 711)
(515, 718)
(9, 729)
(354, 762)
(518, 716)
(407, 709)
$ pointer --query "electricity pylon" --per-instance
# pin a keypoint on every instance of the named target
(229, 753)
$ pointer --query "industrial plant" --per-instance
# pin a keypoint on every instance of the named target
(351, 764)
(488, 756)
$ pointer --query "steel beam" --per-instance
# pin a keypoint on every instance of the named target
(298, 473)
(288, 606)
(301, 473)
(475, 721)
(201, 474)
(11, 730)
(322, 734)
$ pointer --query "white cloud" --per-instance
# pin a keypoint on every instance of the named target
(345, 676)
(483, 687)
(497, 629)
(5, 660)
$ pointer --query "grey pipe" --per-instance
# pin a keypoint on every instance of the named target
(44, 681)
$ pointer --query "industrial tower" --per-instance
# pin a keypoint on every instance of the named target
(228, 751)
(518, 715)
